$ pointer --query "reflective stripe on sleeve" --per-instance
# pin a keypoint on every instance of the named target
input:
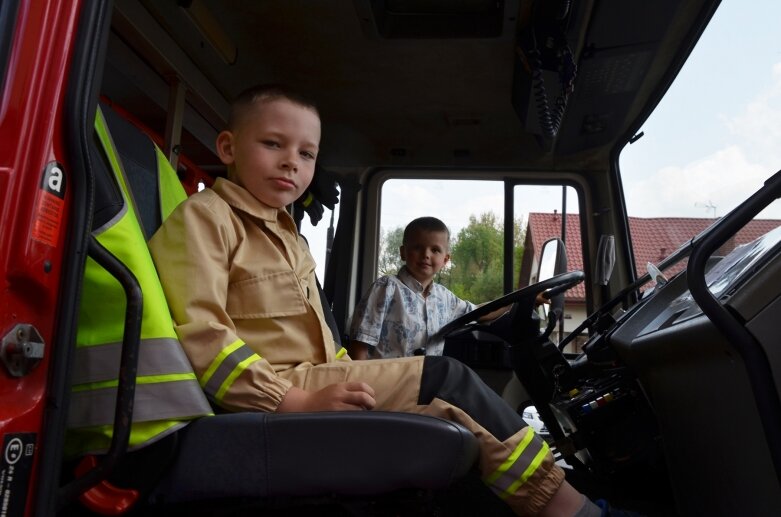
(158, 397)
(225, 386)
(160, 356)
(226, 367)
(519, 466)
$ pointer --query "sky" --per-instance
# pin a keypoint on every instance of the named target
(712, 141)
(716, 135)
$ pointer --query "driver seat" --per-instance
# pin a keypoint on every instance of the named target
(267, 457)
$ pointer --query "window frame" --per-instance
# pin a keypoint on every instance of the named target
(366, 250)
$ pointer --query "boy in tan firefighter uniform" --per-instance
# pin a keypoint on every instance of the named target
(241, 285)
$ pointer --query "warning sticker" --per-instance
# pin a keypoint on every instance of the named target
(49, 208)
(48, 215)
(16, 462)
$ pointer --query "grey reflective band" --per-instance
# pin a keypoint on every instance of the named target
(155, 401)
(524, 466)
(158, 356)
(224, 370)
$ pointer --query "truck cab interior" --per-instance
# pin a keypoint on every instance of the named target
(516, 91)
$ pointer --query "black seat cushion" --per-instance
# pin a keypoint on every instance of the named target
(265, 455)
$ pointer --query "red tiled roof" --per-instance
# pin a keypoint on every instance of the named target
(652, 239)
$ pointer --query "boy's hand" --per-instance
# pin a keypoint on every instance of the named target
(342, 396)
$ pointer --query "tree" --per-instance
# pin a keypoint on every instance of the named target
(476, 270)
(519, 236)
(390, 242)
(475, 273)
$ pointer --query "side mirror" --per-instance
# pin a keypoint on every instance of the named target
(553, 261)
(606, 259)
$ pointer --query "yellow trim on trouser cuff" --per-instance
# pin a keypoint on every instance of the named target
(531, 469)
(225, 352)
(505, 466)
(235, 373)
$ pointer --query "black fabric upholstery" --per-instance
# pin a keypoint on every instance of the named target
(108, 198)
(311, 454)
(137, 152)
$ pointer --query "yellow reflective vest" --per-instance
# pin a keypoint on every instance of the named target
(167, 392)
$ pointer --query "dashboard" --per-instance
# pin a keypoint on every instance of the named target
(724, 279)
(697, 384)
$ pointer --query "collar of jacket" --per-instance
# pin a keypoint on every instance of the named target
(240, 198)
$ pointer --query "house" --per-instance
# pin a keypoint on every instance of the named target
(653, 239)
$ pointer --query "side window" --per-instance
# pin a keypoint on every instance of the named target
(474, 212)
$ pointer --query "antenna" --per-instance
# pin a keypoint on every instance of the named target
(709, 206)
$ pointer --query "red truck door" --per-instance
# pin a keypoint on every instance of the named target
(38, 290)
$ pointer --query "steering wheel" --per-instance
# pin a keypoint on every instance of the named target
(522, 297)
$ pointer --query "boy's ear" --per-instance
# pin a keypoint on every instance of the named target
(447, 259)
(403, 253)
(225, 147)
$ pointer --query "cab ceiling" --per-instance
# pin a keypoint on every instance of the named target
(432, 83)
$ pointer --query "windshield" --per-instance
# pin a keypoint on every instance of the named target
(713, 139)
